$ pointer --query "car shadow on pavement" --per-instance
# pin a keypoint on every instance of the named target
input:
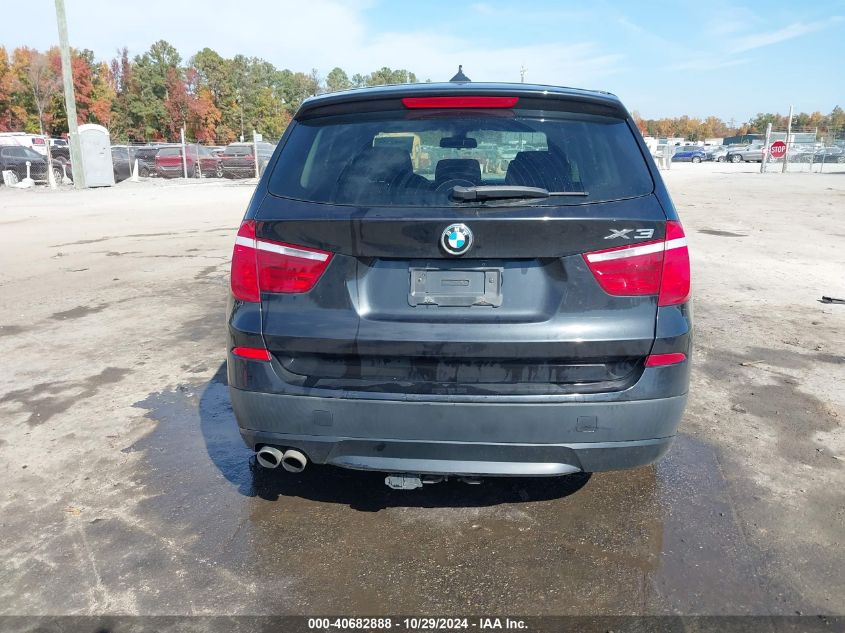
(365, 491)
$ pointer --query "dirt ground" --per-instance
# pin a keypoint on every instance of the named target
(127, 490)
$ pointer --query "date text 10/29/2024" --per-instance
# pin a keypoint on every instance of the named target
(416, 624)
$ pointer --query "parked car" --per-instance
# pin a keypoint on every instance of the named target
(525, 323)
(239, 162)
(199, 161)
(749, 153)
(34, 142)
(123, 160)
(14, 158)
(146, 156)
(60, 154)
(831, 154)
(802, 153)
(715, 153)
(689, 153)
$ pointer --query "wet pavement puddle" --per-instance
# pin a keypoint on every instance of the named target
(660, 539)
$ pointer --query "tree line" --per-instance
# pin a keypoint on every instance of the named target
(693, 129)
(151, 96)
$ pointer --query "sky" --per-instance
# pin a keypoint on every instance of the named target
(662, 58)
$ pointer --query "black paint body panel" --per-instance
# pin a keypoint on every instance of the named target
(358, 322)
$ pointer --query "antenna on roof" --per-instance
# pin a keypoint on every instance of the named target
(460, 76)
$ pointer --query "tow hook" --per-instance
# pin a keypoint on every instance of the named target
(406, 481)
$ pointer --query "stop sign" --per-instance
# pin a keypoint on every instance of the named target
(778, 149)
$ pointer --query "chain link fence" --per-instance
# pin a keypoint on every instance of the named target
(808, 150)
(191, 158)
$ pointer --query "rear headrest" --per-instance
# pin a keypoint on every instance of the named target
(380, 163)
(548, 170)
(458, 168)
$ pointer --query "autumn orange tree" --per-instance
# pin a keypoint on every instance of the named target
(190, 106)
(35, 85)
(154, 94)
(92, 88)
(151, 96)
(11, 116)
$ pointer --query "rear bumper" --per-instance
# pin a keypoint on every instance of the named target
(177, 171)
(463, 438)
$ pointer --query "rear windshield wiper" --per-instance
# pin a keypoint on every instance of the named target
(507, 192)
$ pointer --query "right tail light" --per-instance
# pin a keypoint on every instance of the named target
(659, 267)
(675, 284)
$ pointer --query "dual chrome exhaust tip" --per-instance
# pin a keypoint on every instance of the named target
(295, 461)
(291, 460)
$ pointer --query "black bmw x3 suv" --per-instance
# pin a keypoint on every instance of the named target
(460, 279)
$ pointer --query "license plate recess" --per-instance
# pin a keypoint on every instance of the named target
(456, 287)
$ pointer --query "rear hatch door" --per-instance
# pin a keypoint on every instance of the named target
(170, 159)
(238, 157)
(431, 294)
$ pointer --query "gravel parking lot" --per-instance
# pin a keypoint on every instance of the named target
(127, 488)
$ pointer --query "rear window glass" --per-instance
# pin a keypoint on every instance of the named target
(238, 150)
(170, 151)
(403, 158)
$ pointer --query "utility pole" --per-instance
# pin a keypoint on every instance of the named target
(522, 70)
(240, 103)
(788, 141)
(255, 138)
(70, 98)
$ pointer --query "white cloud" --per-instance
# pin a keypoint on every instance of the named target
(318, 34)
(708, 63)
(767, 38)
(483, 8)
(569, 64)
(728, 20)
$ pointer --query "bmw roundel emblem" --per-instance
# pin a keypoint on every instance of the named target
(456, 239)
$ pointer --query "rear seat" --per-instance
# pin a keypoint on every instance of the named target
(457, 169)
(543, 169)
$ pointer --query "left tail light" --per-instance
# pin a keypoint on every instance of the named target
(260, 265)
(244, 277)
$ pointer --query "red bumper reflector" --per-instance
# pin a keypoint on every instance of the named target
(459, 102)
(252, 353)
(660, 360)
